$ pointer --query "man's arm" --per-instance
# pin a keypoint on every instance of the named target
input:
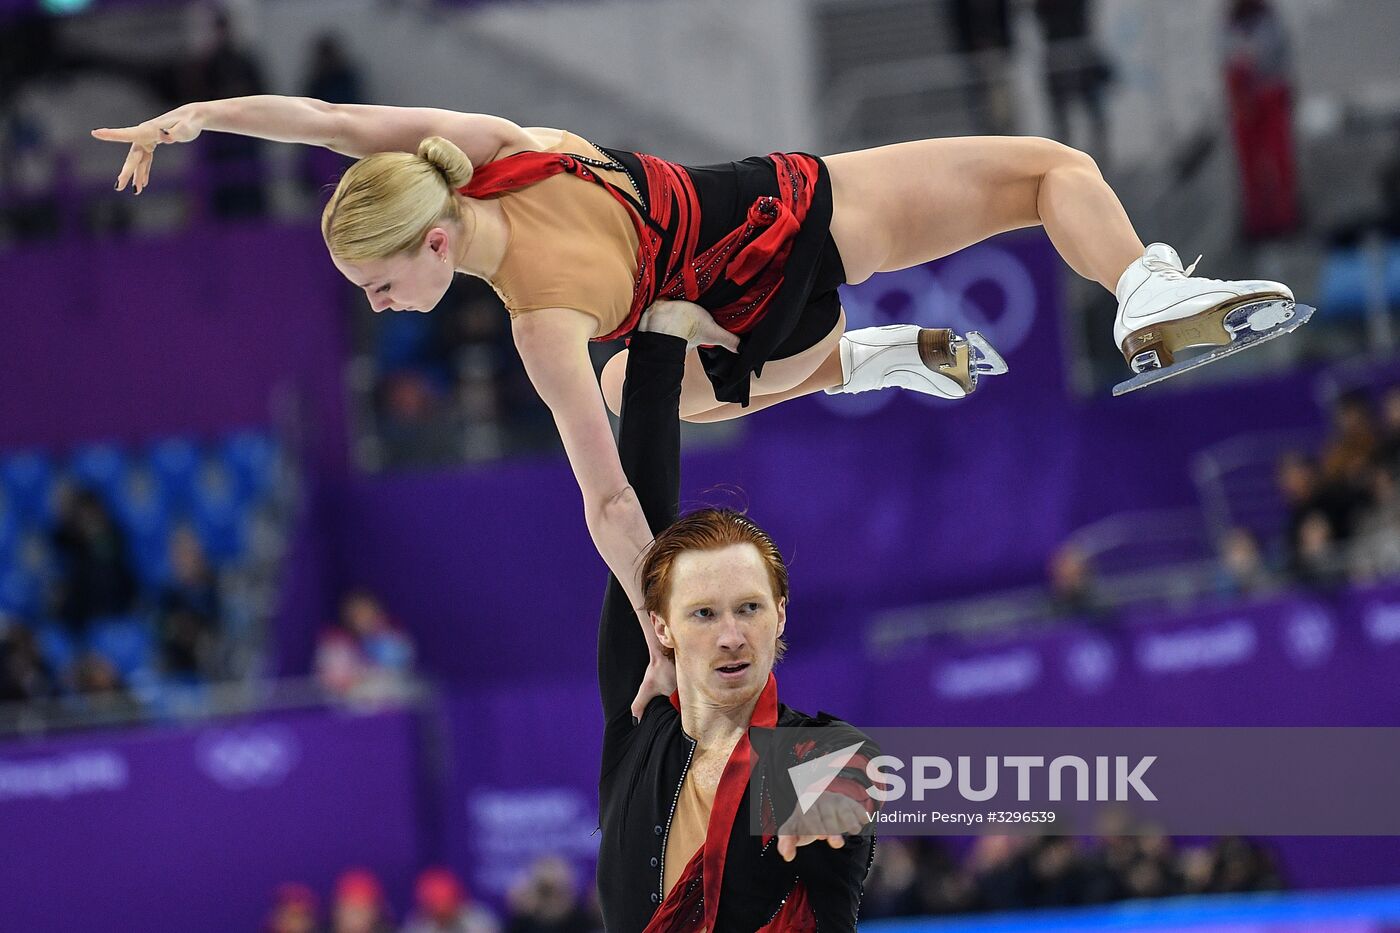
(648, 445)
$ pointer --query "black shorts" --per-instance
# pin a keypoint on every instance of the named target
(806, 306)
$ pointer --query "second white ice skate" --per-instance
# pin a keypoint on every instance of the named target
(930, 360)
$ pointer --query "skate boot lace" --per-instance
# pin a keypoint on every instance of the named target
(1169, 271)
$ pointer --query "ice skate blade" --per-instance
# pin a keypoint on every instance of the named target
(973, 357)
(985, 359)
(1243, 341)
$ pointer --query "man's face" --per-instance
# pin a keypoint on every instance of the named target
(723, 622)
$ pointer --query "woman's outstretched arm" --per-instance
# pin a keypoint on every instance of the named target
(353, 129)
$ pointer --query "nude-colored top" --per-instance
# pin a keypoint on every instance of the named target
(571, 245)
(687, 833)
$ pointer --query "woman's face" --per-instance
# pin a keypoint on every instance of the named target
(414, 280)
(723, 623)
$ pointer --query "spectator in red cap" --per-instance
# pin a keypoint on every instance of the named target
(445, 906)
(294, 910)
(359, 904)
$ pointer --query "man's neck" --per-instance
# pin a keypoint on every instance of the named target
(716, 728)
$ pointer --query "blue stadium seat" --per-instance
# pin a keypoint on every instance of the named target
(99, 467)
(146, 518)
(251, 458)
(219, 514)
(21, 591)
(28, 477)
(175, 462)
(56, 646)
(1392, 273)
(1347, 279)
(127, 641)
(9, 530)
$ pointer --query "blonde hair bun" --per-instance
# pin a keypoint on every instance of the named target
(445, 156)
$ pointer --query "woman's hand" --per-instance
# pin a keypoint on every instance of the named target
(178, 126)
(660, 681)
(690, 321)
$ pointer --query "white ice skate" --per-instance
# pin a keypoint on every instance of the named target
(931, 360)
(1162, 310)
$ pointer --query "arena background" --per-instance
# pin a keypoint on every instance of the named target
(297, 606)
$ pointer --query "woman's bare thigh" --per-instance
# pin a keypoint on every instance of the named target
(697, 392)
(779, 376)
(905, 204)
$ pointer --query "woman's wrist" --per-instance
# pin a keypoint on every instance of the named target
(204, 113)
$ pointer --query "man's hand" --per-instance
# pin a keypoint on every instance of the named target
(832, 818)
(660, 681)
(690, 321)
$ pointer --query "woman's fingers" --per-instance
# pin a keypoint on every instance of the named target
(126, 134)
(133, 158)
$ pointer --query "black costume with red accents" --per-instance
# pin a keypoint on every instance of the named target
(737, 882)
(747, 240)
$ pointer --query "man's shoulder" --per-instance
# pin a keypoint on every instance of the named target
(787, 716)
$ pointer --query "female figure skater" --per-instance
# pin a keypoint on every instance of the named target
(579, 241)
(678, 852)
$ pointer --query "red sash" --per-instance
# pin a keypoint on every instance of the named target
(751, 256)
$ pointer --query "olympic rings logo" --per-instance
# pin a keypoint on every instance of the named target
(246, 758)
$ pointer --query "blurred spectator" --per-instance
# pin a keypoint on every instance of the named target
(546, 900)
(96, 578)
(366, 654)
(1151, 869)
(943, 887)
(1305, 495)
(1390, 192)
(1000, 872)
(30, 586)
(982, 29)
(1388, 438)
(1258, 78)
(333, 78)
(24, 674)
(1072, 588)
(1076, 70)
(892, 890)
(1352, 446)
(359, 905)
(293, 911)
(1242, 865)
(444, 906)
(188, 608)
(97, 682)
(1318, 561)
(235, 162)
(1242, 571)
(1056, 872)
(29, 165)
(1375, 545)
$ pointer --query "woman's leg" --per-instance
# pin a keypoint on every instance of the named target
(902, 205)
